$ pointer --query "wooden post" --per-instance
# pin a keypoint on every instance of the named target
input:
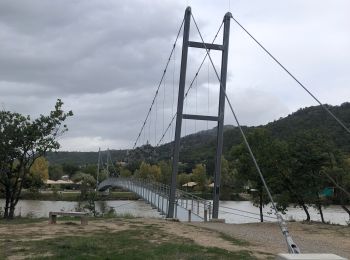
(52, 218)
(83, 220)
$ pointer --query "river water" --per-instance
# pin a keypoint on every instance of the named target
(231, 211)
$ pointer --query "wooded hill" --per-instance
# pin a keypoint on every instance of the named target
(200, 147)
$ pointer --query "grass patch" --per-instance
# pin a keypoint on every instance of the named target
(226, 237)
(233, 240)
(136, 243)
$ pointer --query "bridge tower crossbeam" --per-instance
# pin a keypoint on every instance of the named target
(221, 111)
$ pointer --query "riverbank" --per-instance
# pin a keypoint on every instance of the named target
(75, 196)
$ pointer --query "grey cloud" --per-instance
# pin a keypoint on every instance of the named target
(91, 47)
(105, 59)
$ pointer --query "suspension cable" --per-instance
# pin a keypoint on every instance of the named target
(191, 84)
(241, 215)
(110, 160)
(300, 84)
(293, 77)
(173, 94)
(160, 83)
(253, 213)
(155, 121)
(195, 121)
(336, 184)
(292, 247)
(163, 106)
(208, 104)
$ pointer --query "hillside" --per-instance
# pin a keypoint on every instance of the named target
(81, 158)
(200, 147)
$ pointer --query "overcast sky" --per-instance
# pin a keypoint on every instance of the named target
(104, 59)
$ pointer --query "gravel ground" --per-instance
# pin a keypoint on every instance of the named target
(311, 238)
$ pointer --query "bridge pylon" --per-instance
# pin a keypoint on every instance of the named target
(221, 110)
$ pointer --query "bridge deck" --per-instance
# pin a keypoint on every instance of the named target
(187, 208)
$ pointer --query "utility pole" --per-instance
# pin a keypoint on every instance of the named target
(98, 167)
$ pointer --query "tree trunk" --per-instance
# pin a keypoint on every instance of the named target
(12, 212)
(319, 206)
(12, 197)
(302, 204)
(261, 206)
(346, 210)
(7, 203)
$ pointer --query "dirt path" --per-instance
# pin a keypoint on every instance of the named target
(311, 238)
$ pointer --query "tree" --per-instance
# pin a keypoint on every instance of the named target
(199, 175)
(90, 169)
(338, 175)
(55, 172)
(183, 178)
(38, 173)
(22, 141)
(124, 172)
(228, 179)
(270, 155)
(309, 151)
(87, 192)
(41, 168)
(150, 172)
(70, 169)
(87, 181)
(165, 171)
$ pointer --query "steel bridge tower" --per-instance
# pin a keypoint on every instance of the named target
(221, 110)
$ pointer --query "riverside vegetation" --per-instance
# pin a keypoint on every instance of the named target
(304, 157)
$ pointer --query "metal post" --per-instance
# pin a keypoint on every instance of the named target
(155, 194)
(162, 204)
(148, 192)
(210, 210)
(158, 198)
(221, 114)
(182, 82)
(98, 167)
(176, 209)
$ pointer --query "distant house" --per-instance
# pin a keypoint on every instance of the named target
(60, 183)
(121, 163)
(190, 184)
(327, 192)
(65, 177)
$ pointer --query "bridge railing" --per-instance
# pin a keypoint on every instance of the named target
(157, 194)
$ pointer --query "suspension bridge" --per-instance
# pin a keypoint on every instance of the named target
(157, 130)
